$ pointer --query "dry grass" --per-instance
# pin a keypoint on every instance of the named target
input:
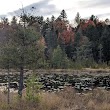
(64, 100)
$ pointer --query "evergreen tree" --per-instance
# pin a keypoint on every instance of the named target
(59, 59)
(84, 51)
(93, 35)
(52, 18)
(92, 18)
(106, 43)
(48, 21)
(5, 22)
(51, 40)
(77, 18)
(100, 53)
(63, 15)
(14, 20)
(22, 50)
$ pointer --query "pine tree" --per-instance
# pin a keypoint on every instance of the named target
(106, 43)
(14, 20)
(21, 44)
(59, 58)
(52, 18)
(63, 15)
(77, 18)
(47, 20)
(92, 18)
(5, 22)
(84, 53)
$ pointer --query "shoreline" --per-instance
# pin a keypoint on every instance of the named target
(83, 71)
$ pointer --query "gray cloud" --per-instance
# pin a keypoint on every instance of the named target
(2, 16)
(40, 8)
(94, 4)
(103, 15)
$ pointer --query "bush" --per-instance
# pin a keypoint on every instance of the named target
(32, 89)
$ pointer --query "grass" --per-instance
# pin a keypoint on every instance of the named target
(67, 99)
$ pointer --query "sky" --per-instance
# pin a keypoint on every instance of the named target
(86, 8)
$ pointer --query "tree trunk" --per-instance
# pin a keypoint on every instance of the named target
(21, 81)
(8, 97)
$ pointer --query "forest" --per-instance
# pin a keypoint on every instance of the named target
(34, 42)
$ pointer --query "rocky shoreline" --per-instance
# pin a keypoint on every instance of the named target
(55, 80)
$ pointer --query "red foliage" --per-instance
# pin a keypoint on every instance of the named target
(85, 25)
(66, 36)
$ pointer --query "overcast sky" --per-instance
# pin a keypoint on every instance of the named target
(86, 8)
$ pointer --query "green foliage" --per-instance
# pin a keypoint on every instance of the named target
(6, 56)
(33, 89)
(59, 58)
(83, 51)
(91, 33)
(20, 49)
(51, 38)
(106, 44)
(41, 61)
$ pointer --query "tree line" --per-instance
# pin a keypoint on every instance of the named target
(87, 42)
(34, 43)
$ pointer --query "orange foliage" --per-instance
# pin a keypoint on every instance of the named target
(42, 41)
(60, 25)
(67, 36)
